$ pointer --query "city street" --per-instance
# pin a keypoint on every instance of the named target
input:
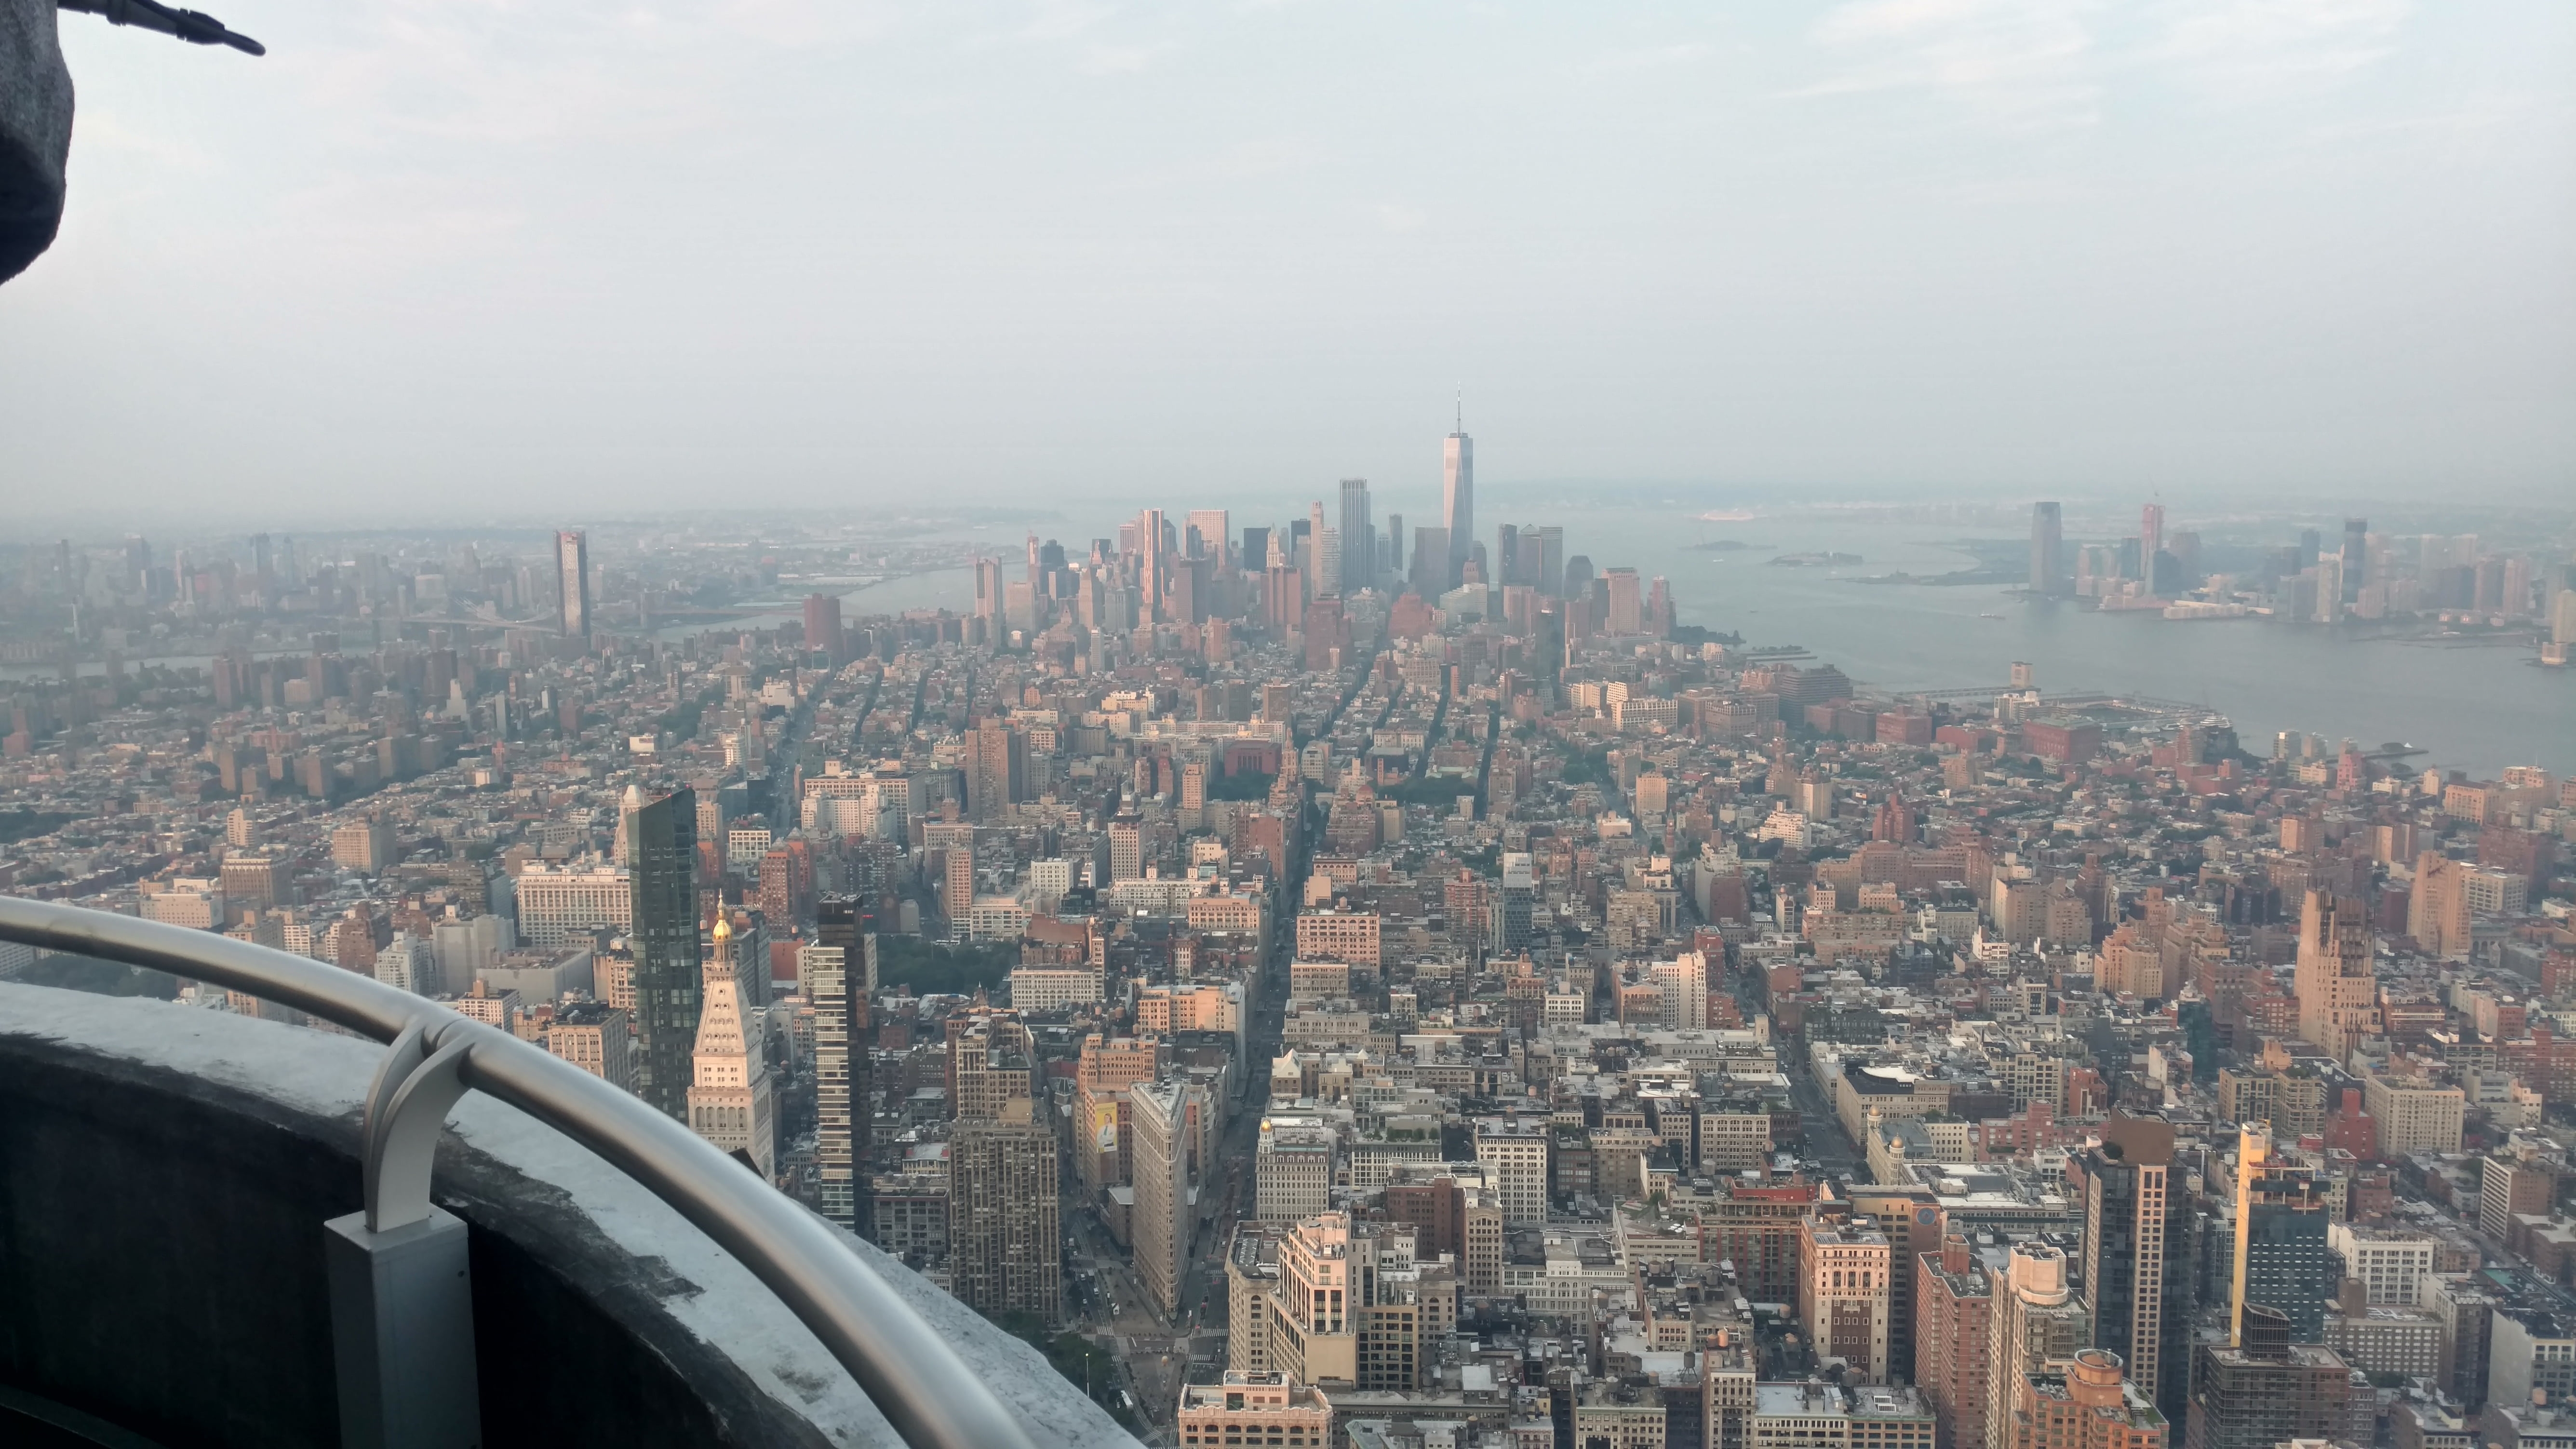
(1158, 1353)
(1825, 1144)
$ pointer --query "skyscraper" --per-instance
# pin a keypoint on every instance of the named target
(1155, 575)
(840, 985)
(1519, 892)
(1576, 580)
(1159, 1116)
(1684, 984)
(988, 594)
(1844, 1285)
(1323, 553)
(1283, 598)
(2264, 1390)
(1431, 562)
(2047, 548)
(730, 1102)
(2136, 1270)
(997, 769)
(2282, 1260)
(1003, 1250)
(1358, 538)
(2356, 557)
(992, 1059)
(956, 846)
(1292, 1174)
(2336, 988)
(2329, 588)
(1898, 1212)
(1953, 1364)
(823, 625)
(2037, 1322)
(2151, 541)
(572, 575)
(2437, 906)
(2084, 1403)
(1627, 607)
(822, 974)
(1208, 535)
(1458, 498)
(661, 864)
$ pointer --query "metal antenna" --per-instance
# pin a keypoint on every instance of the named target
(195, 27)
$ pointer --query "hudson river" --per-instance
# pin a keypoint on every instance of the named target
(2474, 708)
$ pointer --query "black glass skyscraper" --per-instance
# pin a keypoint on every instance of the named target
(2282, 1259)
(661, 867)
(2137, 1256)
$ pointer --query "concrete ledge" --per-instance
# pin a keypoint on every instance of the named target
(164, 1175)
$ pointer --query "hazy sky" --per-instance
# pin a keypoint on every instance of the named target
(549, 255)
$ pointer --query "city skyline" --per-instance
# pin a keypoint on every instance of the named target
(1232, 860)
(2497, 577)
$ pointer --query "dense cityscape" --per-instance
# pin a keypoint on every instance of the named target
(1330, 983)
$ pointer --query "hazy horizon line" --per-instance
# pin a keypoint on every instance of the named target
(28, 528)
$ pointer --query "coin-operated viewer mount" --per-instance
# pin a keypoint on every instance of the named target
(36, 108)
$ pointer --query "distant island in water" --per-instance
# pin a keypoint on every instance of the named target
(1814, 560)
(1999, 561)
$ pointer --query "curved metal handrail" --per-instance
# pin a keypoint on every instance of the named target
(912, 1375)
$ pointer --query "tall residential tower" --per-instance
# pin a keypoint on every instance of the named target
(2337, 989)
(572, 575)
(2137, 1263)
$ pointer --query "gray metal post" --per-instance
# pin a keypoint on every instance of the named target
(402, 1299)
(402, 1334)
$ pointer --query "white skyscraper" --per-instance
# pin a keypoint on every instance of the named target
(730, 1100)
(1684, 984)
(1458, 496)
